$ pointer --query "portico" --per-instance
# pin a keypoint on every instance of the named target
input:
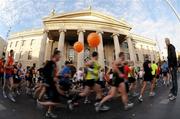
(64, 30)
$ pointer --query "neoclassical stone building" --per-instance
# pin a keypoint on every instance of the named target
(61, 31)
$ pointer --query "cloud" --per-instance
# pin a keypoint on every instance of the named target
(150, 18)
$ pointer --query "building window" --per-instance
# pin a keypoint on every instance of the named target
(87, 54)
(20, 55)
(147, 47)
(137, 57)
(124, 45)
(127, 56)
(134, 45)
(16, 44)
(11, 44)
(30, 55)
(141, 46)
(147, 56)
(71, 55)
(32, 41)
(23, 42)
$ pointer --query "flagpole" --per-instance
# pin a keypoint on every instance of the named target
(174, 10)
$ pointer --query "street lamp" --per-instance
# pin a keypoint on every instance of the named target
(174, 10)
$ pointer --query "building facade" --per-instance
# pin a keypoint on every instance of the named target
(62, 31)
(3, 45)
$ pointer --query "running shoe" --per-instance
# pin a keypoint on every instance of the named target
(170, 95)
(140, 99)
(18, 93)
(135, 94)
(70, 104)
(128, 106)
(152, 94)
(51, 115)
(11, 97)
(99, 107)
(4, 94)
(87, 101)
(104, 108)
(172, 98)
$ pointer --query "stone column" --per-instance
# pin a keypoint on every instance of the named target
(116, 45)
(80, 56)
(61, 46)
(42, 52)
(131, 49)
(47, 50)
(101, 50)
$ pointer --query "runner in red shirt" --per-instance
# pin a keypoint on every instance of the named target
(9, 69)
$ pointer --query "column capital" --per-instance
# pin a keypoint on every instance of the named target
(99, 32)
(62, 30)
(45, 31)
(51, 40)
(128, 37)
(80, 30)
(115, 34)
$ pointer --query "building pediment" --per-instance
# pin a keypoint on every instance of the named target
(86, 16)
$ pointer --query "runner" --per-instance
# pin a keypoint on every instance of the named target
(165, 71)
(148, 77)
(154, 68)
(65, 77)
(50, 75)
(92, 75)
(117, 85)
(79, 77)
(9, 68)
(141, 76)
(132, 81)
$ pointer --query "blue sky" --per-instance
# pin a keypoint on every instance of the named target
(150, 18)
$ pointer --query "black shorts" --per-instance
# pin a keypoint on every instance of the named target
(148, 77)
(165, 73)
(1, 75)
(65, 84)
(157, 76)
(89, 83)
(16, 81)
(153, 76)
(116, 80)
(131, 79)
(101, 83)
(52, 94)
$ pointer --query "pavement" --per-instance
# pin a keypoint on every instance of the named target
(158, 107)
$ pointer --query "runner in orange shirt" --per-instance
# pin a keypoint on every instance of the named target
(9, 69)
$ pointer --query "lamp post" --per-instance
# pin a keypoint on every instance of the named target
(174, 10)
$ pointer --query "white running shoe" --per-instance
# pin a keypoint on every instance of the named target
(4, 94)
(70, 104)
(172, 98)
(152, 94)
(170, 95)
(140, 99)
(51, 115)
(128, 106)
(11, 97)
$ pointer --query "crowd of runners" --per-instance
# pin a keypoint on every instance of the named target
(47, 84)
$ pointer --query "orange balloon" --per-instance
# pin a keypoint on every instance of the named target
(78, 47)
(93, 40)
